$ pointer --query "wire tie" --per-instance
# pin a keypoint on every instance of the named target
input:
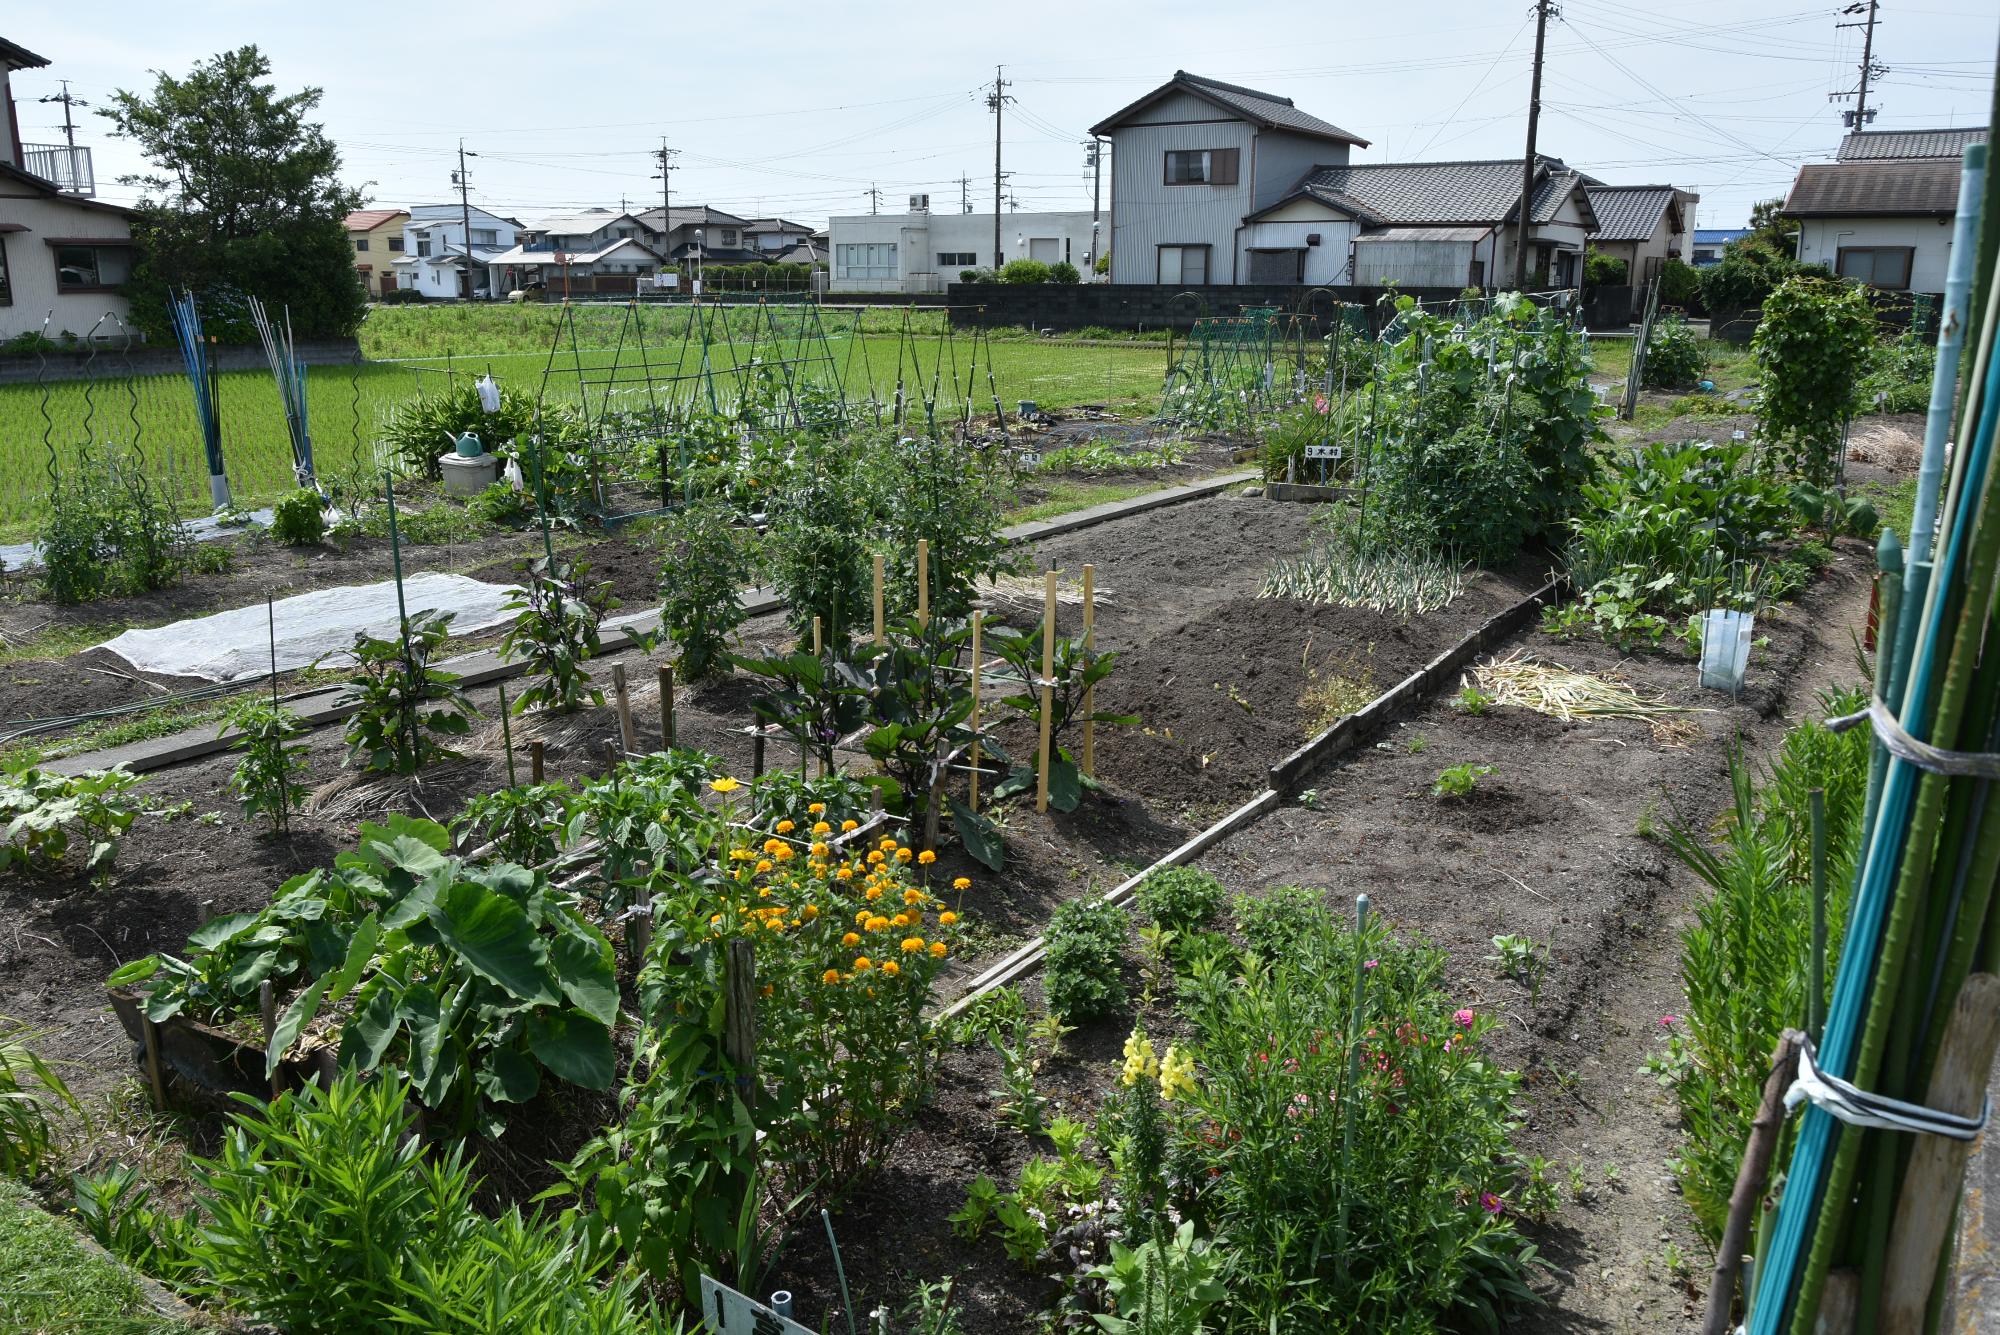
(1900, 744)
(1857, 1107)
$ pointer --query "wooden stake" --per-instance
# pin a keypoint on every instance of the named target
(154, 1075)
(667, 706)
(757, 755)
(1936, 1173)
(819, 644)
(739, 1016)
(880, 636)
(611, 758)
(536, 749)
(627, 734)
(923, 581)
(639, 935)
(1839, 1303)
(978, 626)
(507, 736)
(1745, 1200)
(1048, 687)
(267, 1006)
(1089, 692)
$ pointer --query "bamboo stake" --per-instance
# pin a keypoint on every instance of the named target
(536, 749)
(757, 755)
(610, 758)
(507, 736)
(923, 581)
(1089, 692)
(667, 706)
(739, 1031)
(1936, 1170)
(1048, 688)
(818, 642)
(628, 735)
(880, 637)
(1750, 1181)
(978, 670)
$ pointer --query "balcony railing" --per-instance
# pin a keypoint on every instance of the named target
(68, 167)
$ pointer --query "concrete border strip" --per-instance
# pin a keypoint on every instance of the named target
(487, 666)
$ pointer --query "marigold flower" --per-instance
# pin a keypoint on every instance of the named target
(862, 964)
(926, 857)
(863, 916)
(764, 865)
(947, 918)
(887, 845)
(785, 827)
(821, 827)
(875, 857)
(774, 924)
(785, 853)
(913, 896)
(904, 855)
(820, 850)
(891, 968)
(845, 873)
(937, 950)
(815, 808)
(724, 784)
(878, 923)
(851, 939)
(848, 825)
(900, 920)
(873, 892)
(810, 911)
(912, 944)
(830, 976)
(962, 883)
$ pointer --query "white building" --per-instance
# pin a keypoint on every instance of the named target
(434, 250)
(925, 252)
(1882, 213)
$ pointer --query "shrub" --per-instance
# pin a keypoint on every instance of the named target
(1181, 899)
(1746, 276)
(1601, 270)
(265, 779)
(1675, 358)
(299, 518)
(816, 553)
(500, 505)
(704, 561)
(1062, 271)
(1082, 973)
(1270, 922)
(419, 430)
(1813, 346)
(1680, 285)
(1900, 370)
(108, 529)
(1024, 271)
(404, 707)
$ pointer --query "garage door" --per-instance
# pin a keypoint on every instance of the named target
(1047, 249)
(1276, 266)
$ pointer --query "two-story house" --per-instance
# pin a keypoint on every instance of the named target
(771, 237)
(601, 248)
(63, 254)
(440, 261)
(1190, 161)
(701, 232)
(377, 238)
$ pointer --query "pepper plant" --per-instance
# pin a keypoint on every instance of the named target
(403, 706)
(1077, 670)
(555, 629)
(265, 779)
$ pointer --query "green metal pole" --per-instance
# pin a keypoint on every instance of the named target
(402, 610)
(1816, 976)
(1353, 1069)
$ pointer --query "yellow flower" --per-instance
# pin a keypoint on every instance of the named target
(937, 950)
(784, 827)
(821, 827)
(784, 853)
(1176, 1074)
(1140, 1063)
(772, 846)
(887, 845)
(845, 873)
(862, 964)
(848, 825)
(830, 976)
(913, 896)
(962, 883)
(740, 855)
(947, 918)
(878, 924)
(912, 944)
(891, 968)
(904, 855)
(863, 916)
(724, 784)
(764, 864)
(774, 924)
(811, 911)
(851, 940)
(715, 920)
(875, 857)
(820, 850)
(873, 892)
(926, 857)
(816, 808)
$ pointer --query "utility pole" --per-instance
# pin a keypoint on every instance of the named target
(1095, 148)
(464, 184)
(997, 100)
(965, 194)
(1543, 8)
(874, 200)
(68, 100)
(665, 157)
(1858, 118)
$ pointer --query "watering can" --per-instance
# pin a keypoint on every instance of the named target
(468, 446)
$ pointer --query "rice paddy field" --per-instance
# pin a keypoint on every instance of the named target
(654, 355)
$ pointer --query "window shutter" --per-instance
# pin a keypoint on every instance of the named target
(1222, 166)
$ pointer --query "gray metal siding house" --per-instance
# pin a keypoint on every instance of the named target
(1189, 161)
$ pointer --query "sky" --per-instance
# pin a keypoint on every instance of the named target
(800, 111)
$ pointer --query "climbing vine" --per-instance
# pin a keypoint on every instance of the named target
(1812, 347)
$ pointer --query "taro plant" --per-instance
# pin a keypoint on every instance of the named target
(48, 815)
(704, 560)
(265, 780)
(404, 708)
(555, 629)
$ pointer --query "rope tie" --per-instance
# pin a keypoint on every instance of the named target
(1900, 744)
(1857, 1107)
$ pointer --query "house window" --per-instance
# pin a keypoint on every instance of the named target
(424, 247)
(6, 283)
(728, 236)
(1877, 266)
(396, 244)
(865, 259)
(361, 245)
(1186, 265)
(1201, 166)
(958, 259)
(485, 236)
(87, 269)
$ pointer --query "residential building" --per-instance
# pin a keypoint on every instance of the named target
(64, 256)
(377, 238)
(596, 250)
(1190, 161)
(1881, 213)
(1417, 224)
(1710, 242)
(699, 232)
(1643, 225)
(926, 252)
(772, 236)
(436, 250)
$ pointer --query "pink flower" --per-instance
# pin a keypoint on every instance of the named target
(1319, 403)
(1371, 964)
(1490, 1203)
(1463, 1016)
(1667, 1021)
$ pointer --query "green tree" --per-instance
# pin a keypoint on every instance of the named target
(244, 200)
(1770, 232)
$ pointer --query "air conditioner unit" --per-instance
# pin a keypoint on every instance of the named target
(1312, 238)
(920, 203)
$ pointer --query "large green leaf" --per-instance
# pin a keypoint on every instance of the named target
(492, 934)
(576, 1047)
(372, 1027)
(213, 933)
(296, 1017)
(360, 949)
(433, 1065)
(981, 837)
(509, 1077)
(587, 971)
(1065, 785)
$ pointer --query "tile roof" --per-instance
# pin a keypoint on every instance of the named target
(695, 215)
(20, 57)
(1628, 212)
(765, 226)
(1944, 142)
(1266, 110)
(1438, 193)
(367, 220)
(586, 222)
(1716, 236)
(547, 254)
(1922, 186)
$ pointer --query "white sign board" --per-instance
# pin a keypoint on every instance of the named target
(666, 280)
(1323, 452)
(727, 1312)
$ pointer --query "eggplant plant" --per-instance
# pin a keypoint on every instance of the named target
(404, 708)
(556, 628)
(1076, 671)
